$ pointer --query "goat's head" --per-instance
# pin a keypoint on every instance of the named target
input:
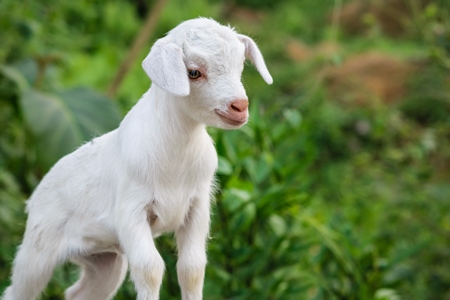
(202, 62)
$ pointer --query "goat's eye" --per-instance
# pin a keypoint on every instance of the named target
(194, 74)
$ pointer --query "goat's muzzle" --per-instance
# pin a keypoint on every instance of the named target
(236, 113)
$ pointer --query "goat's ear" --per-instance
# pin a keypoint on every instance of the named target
(252, 52)
(165, 67)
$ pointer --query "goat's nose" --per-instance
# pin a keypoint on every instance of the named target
(239, 105)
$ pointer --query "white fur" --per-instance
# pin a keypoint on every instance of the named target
(101, 206)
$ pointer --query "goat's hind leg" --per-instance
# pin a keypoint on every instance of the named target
(33, 268)
(101, 276)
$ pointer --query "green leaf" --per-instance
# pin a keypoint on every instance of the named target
(259, 168)
(278, 225)
(235, 199)
(230, 147)
(386, 294)
(224, 166)
(61, 122)
(293, 117)
(245, 216)
(28, 69)
(15, 76)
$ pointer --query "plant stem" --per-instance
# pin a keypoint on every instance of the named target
(140, 41)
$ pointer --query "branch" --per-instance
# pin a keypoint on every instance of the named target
(140, 41)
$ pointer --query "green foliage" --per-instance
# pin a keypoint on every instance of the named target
(430, 100)
(60, 122)
(317, 200)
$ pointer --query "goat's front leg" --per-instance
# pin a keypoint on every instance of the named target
(191, 242)
(135, 236)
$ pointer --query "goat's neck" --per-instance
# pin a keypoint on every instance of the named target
(170, 117)
(160, 118)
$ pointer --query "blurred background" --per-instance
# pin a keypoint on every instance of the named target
(338, 188)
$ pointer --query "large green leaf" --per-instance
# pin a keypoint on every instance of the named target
(13, 82)
(61, 122)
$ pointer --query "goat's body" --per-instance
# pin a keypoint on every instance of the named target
(101, 206)
(173, 174)
(81, 177)
(172, 169)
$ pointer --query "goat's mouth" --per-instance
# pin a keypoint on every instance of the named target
(231, 119)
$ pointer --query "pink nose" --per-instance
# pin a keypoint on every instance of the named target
(238, 106)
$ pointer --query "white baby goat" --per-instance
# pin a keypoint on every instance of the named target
(102, 205)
